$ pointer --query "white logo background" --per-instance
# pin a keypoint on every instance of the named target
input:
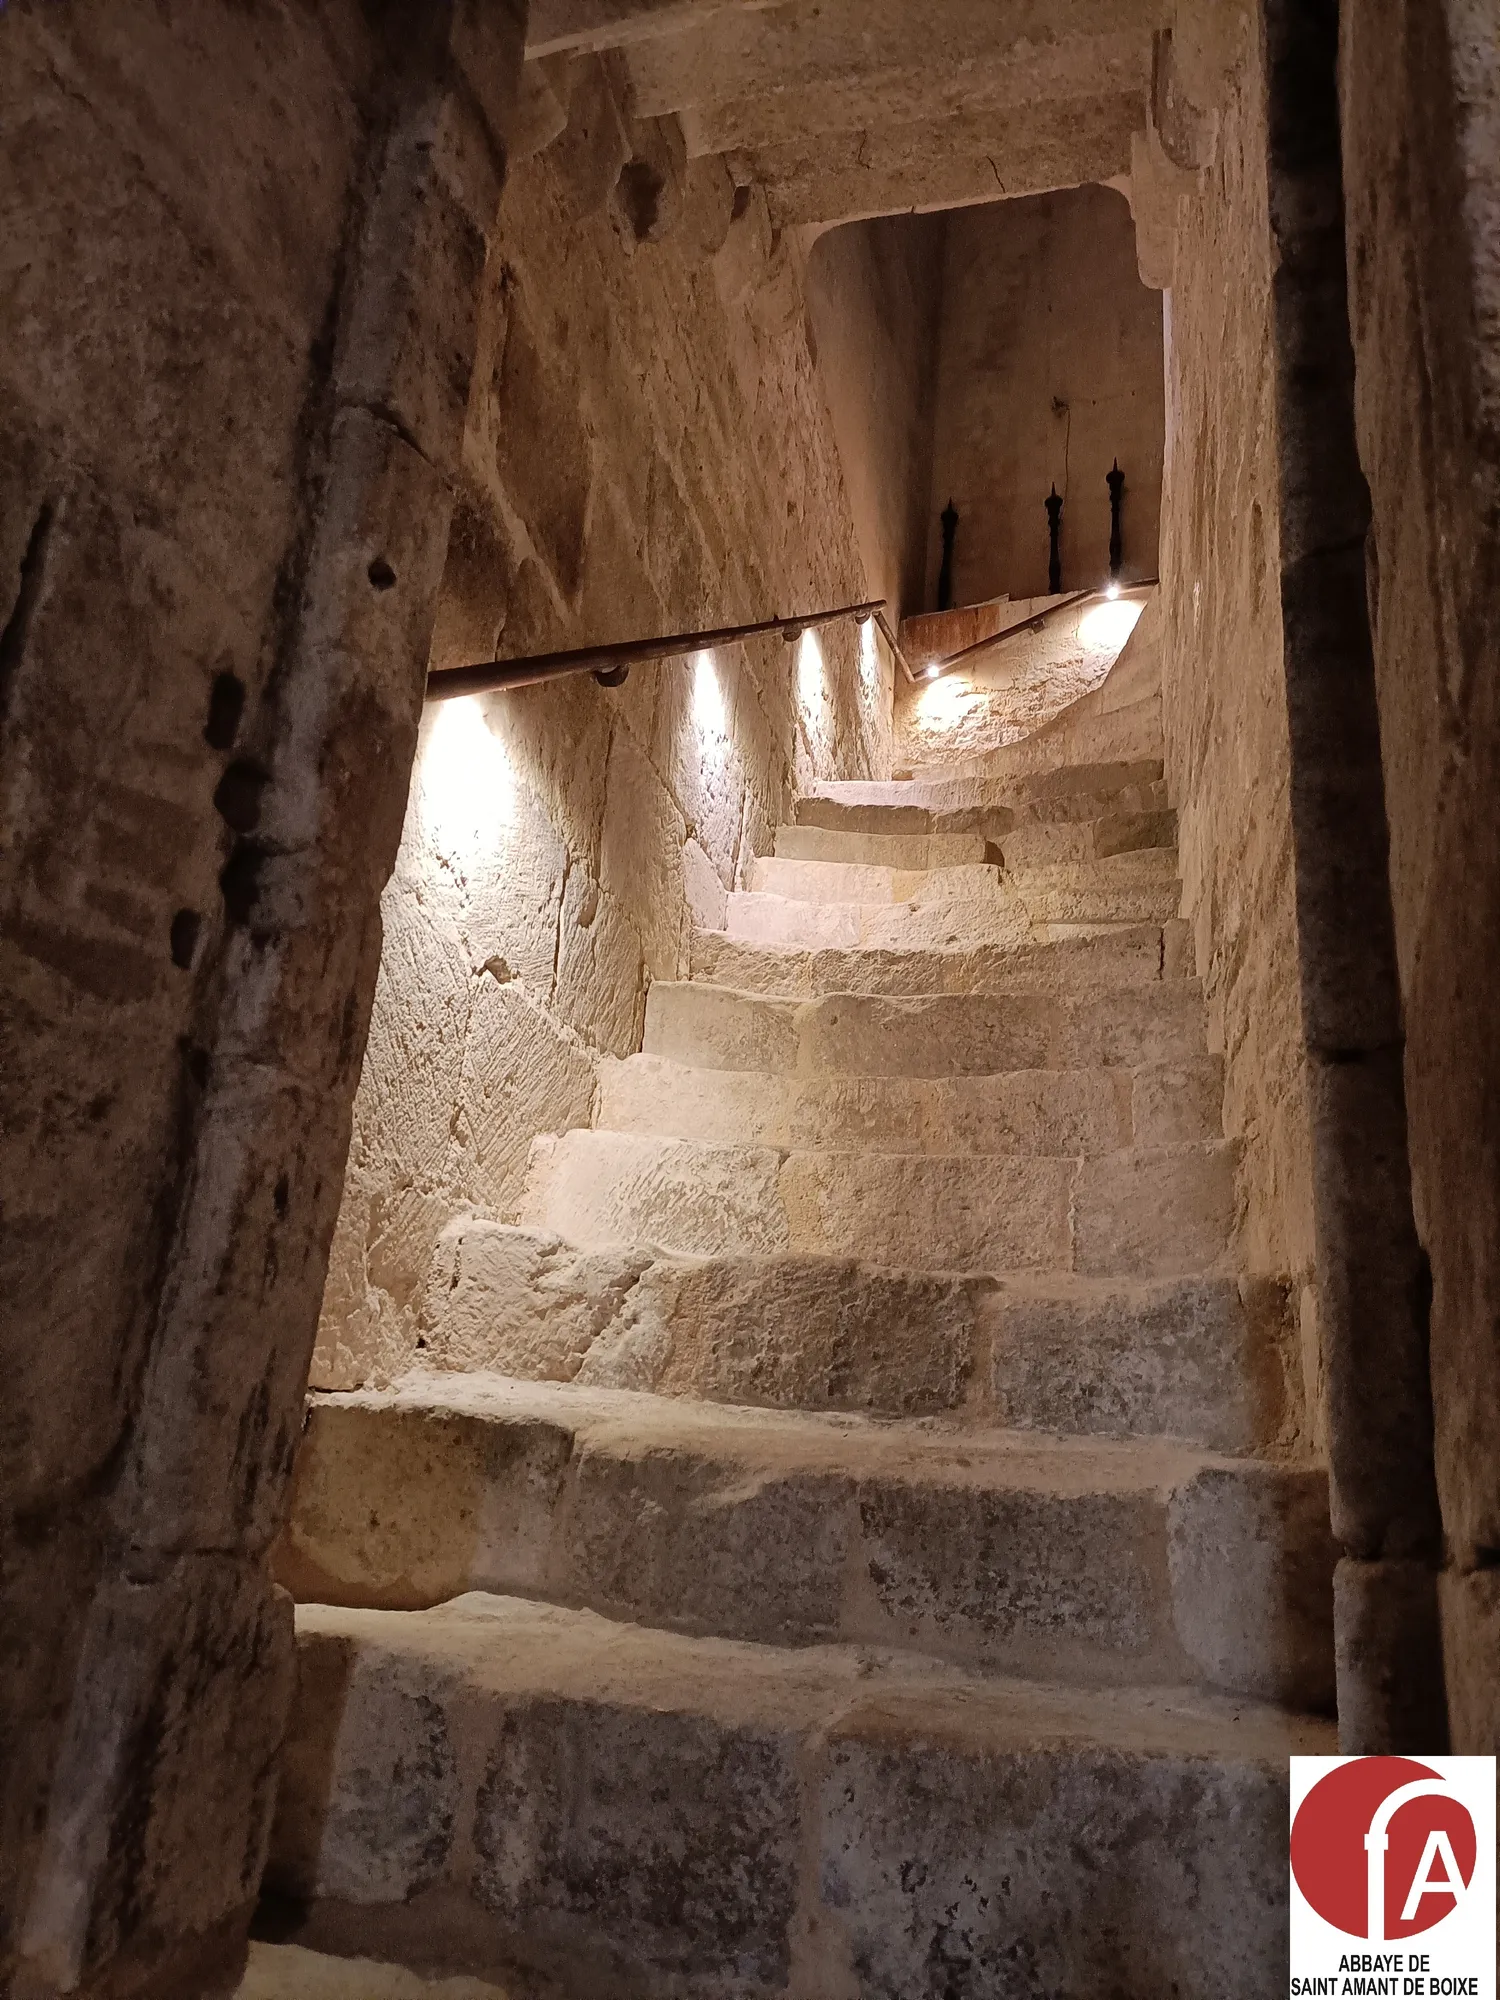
(1455, 1956)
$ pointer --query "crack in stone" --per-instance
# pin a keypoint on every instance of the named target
(17, 629)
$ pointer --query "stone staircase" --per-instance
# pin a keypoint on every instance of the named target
(852, 1540)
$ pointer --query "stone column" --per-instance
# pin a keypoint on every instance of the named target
(1374, 1289)
(137, 1870)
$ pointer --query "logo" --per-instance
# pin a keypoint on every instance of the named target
(1393, 1875)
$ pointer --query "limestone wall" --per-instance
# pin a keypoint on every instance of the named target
(1223, 689)
(649, 448)
(1421, 111)
(1049, 369)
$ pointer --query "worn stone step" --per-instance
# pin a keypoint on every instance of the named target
(838, 816)
(870, 883)
(1209, 1360)
(290, 1972)
(1086, 1560)
(630, 1812)
(1020, 915)
(987, 789)
(908, 853)
(1076, 842)
(1025, 844)
(1062, 1111)
(828, 881)
(994, 922)
(1154, 1212)
(958, 1034)
(1124, 955)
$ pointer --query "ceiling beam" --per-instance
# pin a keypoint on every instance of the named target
(733, 54)
(844, 177)
(1103, 66)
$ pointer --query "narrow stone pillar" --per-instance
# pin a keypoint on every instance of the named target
(1372, 1274)
(162, 1789)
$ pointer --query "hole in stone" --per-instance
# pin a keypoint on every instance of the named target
(185, 928)
(226, 705)
(281, 1195)
(640, 191)
(381, 574)
(741, 204)
(239, 879)
(238, 793)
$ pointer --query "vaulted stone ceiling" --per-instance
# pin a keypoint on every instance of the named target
(847, 108)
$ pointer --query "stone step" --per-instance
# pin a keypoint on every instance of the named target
(908, 853)
(622, 1811)
(1014, 790)
(1166, 1211)
(1123, 955)
(1077, 842)
(839, 816)
(944, 1034)
(1208, 1360)
(1028, 844)
(829, 881)
(290, 1972)
(1025, 912)
(855, 882)
(995, 923)
(1057, 1111)
(1079, 1559)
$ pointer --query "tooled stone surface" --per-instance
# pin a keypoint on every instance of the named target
(634, 1807)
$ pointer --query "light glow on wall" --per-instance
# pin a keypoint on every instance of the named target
(1105, 627)
(812, 673)
(869, 658)
(943, 703)
(710, 712)
(468, 788)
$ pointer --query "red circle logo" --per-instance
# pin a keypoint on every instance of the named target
(1382, 1849)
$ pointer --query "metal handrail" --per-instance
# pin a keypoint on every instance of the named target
(609, 664)
(935, 669)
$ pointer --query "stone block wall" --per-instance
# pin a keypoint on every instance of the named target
(1421, 128)
(1223, 683)
(649, 448)
(230, 409)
